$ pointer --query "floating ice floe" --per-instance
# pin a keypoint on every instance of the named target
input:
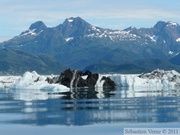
(32, 80)
(8, 81)
(157, 79)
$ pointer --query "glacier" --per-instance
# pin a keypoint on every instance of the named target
(155, 80)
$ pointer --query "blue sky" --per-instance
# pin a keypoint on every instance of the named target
(17, 15)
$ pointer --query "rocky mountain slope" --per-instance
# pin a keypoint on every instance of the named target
(175, 60)
(17, 62)
(80, 45)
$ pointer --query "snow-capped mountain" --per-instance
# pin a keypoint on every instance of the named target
(165, 34)
(80, 44)
(77, 27)
(34, 30)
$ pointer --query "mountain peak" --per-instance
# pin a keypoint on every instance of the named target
(34, 29)
(71, 19)
(74, 26)
(38, 26)
(160, 24)
(172, 24)
(75, 21)
(130, 28)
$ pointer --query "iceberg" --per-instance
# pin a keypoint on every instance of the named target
(78, 79)
(32, 86)
(32, 80)
(7, 81)
(155, 80)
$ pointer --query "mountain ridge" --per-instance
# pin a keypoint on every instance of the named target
(16, 62)
(79, 44)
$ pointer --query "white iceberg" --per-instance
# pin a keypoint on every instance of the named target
(32, 86)
(157, 79)
(8, 81)
(32, 80)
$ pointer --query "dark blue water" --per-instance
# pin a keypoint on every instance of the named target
(86, 111)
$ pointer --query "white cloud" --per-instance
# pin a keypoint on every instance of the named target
(53, 11)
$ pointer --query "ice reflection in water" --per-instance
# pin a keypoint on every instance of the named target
(89, 106)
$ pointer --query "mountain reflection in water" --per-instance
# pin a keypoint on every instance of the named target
(89, 106)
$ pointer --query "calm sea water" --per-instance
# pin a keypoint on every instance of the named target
(86, 111)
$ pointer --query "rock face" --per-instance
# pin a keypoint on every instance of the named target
(78, 79)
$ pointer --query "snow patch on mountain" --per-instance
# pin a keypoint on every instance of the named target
(70, 20)
(113, 35)
(69, 39)
(171, 53)
(153, 38)
(172, 24)
(178, 40)
(29, 32)
(94, 28)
